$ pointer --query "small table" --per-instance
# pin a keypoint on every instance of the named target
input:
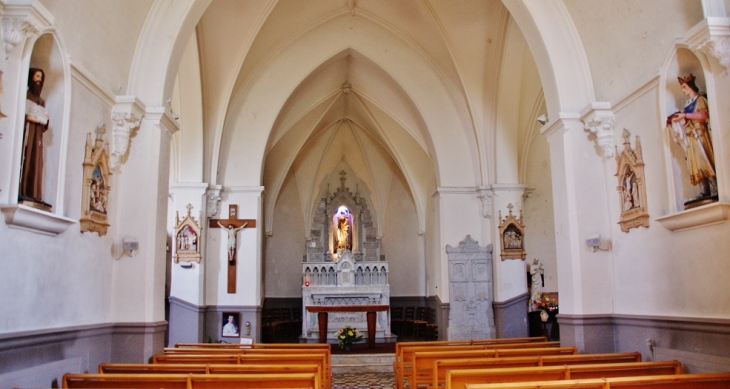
(370, 310)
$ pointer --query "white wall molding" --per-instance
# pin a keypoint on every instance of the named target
(85, 78)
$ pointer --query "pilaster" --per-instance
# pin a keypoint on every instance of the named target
(138, 290)
(509, 275)
(187, 278)
(581, 209)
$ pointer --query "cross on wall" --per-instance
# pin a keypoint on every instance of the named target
(233, 224)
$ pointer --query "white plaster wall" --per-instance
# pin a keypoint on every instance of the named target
(49, 282)
(626, 41)
(401, 244)
(101, 35)
(675, 273)
(285, 248)
(459, 215)
(538, 213)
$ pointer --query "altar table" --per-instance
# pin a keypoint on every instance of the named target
(370, 314)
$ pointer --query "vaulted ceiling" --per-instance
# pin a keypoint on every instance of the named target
(342, 103)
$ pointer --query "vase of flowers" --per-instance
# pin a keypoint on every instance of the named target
(544, 303)
(346, 336)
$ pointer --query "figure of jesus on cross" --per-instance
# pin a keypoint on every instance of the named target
(232, 225)
(232, 239)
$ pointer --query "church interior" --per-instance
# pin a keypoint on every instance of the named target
(211, 170)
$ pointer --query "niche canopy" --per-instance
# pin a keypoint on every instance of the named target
(512, 236)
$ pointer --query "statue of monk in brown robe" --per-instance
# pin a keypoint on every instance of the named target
(36, 123)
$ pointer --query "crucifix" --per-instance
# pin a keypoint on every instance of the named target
(233, 224)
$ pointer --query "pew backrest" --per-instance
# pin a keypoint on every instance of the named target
(192, 381)
(142, 381)
(552, 360)
(459, 378)
(522, 352)
(245, 381)
(441, 366)
(149, 368)
(195, 358)
(675, 381)
(422, 363)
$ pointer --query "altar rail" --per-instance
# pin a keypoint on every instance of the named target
(366, 274)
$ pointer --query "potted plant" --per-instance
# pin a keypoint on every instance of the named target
(346, 336)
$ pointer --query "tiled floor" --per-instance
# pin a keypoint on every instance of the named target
(363, 381)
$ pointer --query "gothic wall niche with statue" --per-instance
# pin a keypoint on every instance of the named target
(631, 185)
(360, 237)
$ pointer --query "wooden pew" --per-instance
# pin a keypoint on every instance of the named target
(564, 350)
(406, 352)
(250, 367)
(148, 368)
(321, 347)
(459, 379)
(293, 359)
(678, 381)
(246, 381)
(421, 370)
(191, 381)
(408, 369)
(245, 346)
(114, 381)
(204, 359)
(441, 366)
(552, 360)
(400, 345)
(402, 365)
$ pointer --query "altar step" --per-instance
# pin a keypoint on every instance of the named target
(363, 363)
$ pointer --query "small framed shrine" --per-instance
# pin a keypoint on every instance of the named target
(631, 186)
(95, 192)
(187, 238)
(512, 236)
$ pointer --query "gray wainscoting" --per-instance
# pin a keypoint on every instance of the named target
(187, 322)
(510, 317)
(40, 358)
(702, 345)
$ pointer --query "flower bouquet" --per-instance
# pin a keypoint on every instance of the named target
(542, 302)
(346, 336)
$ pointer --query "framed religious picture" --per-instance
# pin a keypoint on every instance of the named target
(187, 238)
(631, 186)
(95, 191)
(512, 236)
(230, 327)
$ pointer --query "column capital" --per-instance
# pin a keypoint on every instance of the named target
(126, 115)
(599, 120)
(22, 20)
(711, 36)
